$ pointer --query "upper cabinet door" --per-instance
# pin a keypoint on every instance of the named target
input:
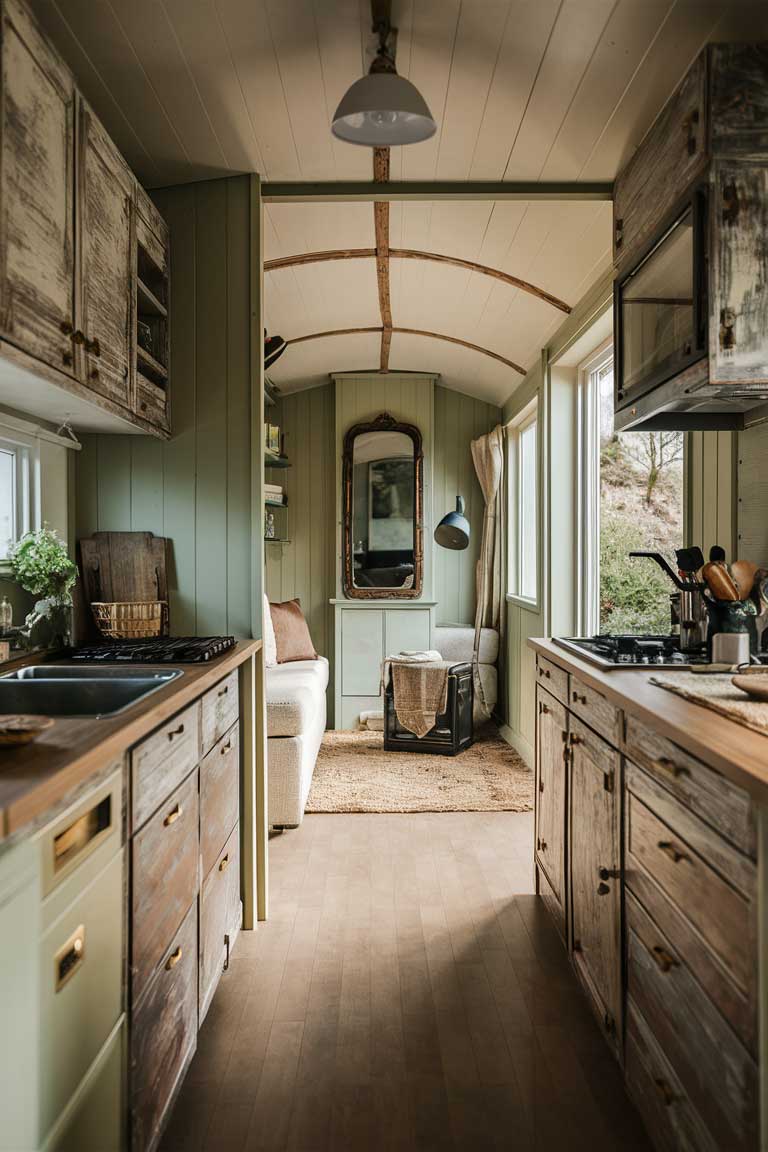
(36, 194)
(106, 197)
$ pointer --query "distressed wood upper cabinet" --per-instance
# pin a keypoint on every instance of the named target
(106, 195)
(37, 158)
(595, 874)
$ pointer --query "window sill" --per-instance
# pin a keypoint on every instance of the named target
(522, 602)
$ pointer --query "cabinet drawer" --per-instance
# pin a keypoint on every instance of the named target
(219, 917)
(98, 1121)
(81, 987)
(219, 796)
(553, 678)
(220, 710)
(715, 1070)
(165, 873)
(660, 1098)
(550, 817)
(707, 793)
(707, 880)
(594, 709)
(162, 761)
(164, 1034)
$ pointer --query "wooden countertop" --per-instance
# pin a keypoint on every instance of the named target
(739, 753)
(36, 777)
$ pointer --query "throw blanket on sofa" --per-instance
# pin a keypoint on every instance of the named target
(420, 690)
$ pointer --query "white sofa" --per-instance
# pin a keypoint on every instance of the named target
(296, 715)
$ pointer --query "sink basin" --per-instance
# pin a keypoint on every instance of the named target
(53, 690)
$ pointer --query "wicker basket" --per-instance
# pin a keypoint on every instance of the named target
(131, 619)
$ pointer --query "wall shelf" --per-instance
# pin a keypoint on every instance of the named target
(276, 503)
(272, 460)
(276, 540)
(149, 362)
(148, 302)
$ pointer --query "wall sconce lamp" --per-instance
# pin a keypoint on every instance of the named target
(453, 531)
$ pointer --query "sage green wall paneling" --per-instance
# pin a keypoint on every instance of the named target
(753, 494)
(305, 566)
(195, 488)
(711, 490)
(459, 419)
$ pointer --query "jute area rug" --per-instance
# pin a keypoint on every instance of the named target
(354, 774)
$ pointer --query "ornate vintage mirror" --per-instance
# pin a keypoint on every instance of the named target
(383, 550)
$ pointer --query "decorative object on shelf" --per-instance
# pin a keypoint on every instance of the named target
(40, 564)
(453, 531)
(130, 620)
(144, 336)
(269, 526)
(6, 616)
(16, 730)
(383, 109)
(272, 438)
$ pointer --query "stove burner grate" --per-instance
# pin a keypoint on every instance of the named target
(157, 650)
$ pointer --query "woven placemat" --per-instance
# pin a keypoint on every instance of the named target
(716, 691)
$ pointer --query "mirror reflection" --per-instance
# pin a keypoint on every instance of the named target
(383, 514)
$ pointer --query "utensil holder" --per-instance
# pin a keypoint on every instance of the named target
(731, 616)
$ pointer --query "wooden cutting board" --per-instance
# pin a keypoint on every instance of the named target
(123, 566)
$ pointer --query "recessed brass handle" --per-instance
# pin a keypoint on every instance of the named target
(176, 732)
(664, 959)
(173, 959)
(669, 849)
(173, 816)
(224, 864)
(669, 767)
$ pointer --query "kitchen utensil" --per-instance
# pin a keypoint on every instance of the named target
(16, 730)
(743, 574)
(755, 686)
(717, 554)
(730, 648)
(689, 560)
(719, 581)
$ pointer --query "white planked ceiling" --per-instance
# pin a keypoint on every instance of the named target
(521, 89)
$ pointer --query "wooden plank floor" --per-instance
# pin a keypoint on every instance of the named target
(409, 992)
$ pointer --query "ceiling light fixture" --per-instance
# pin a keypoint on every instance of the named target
(382, 109)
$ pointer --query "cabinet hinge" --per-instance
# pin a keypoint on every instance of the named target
(226, 958)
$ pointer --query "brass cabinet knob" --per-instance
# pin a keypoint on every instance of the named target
(224, 863)
(174, 958)
(173, 816)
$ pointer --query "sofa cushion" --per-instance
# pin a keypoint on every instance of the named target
(294, 694)
(270, 644)
(455, 642)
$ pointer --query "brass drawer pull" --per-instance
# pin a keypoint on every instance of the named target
(666, 1093)
(173, 816)
(664, 959)
(69, 957)
(174, 958)
(176, 732)
(544, 672)
(669, 767)
(579, 698)
(226, 747)
(223, 691)
(675, 855)
(224, 863)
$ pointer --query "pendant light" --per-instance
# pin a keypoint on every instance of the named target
(453, 530)
(382, 109)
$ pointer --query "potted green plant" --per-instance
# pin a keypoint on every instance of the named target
(40, 564)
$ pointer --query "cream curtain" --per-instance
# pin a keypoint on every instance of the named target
(488, 458)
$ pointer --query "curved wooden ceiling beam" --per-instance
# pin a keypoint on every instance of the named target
(417, 254)
(411, 332)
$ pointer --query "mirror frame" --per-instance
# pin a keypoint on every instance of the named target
(383, 423)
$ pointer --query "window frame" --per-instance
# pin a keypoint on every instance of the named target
(26, 452)
(526, 419)
(588, 488)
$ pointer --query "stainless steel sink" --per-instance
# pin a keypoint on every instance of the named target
(64, 690)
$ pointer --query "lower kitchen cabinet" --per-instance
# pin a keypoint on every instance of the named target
(96, 1119)
(164, 1035)
(220, 918)
(551, 774)
(595, 888)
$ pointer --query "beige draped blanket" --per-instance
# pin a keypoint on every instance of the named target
(420, 692)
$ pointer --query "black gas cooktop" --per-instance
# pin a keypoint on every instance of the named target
(633, 651)
(157, 650)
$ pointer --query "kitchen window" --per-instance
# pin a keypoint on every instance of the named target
(17, 501)
(524, 510)
(631, 499)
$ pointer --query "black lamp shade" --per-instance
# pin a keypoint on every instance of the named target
(453, 531)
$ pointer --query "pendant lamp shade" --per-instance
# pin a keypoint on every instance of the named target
(453, 531)
(381, 110)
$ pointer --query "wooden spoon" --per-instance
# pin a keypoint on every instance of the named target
(743, 573)
(719, 582)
